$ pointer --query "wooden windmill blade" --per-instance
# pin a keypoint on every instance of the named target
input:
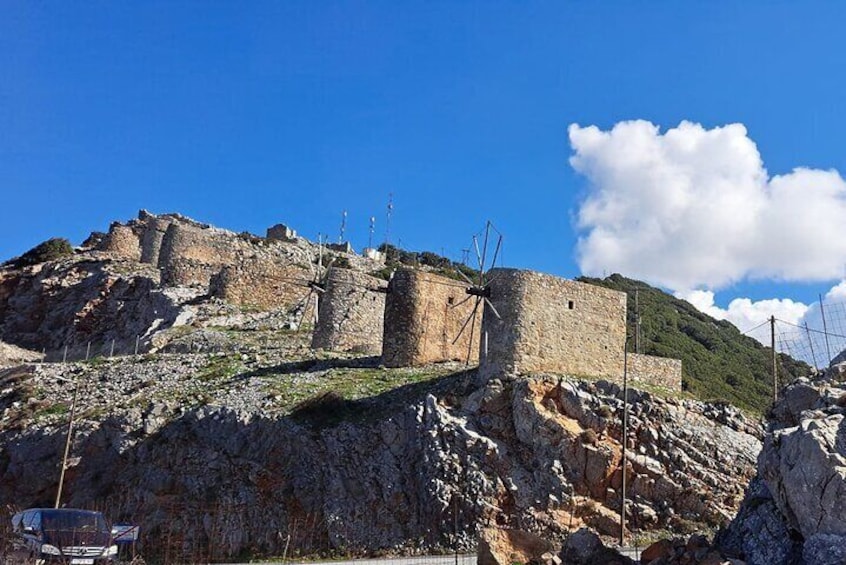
(467, 321)
(495, 256)
(301, 308)
(490, 305)
(480, 290)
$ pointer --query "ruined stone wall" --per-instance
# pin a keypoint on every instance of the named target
(122, 242)
(658, 371)
(423, 315)
(351, 313)
(189, 255)
(152, 233)
(553, 325)
(262, 285)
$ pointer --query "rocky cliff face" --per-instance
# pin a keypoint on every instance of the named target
(81, 299)
(795, 509)
(208, 454)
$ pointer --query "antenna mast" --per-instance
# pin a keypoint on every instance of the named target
(388, 220)
(343, 226)
(372, 227)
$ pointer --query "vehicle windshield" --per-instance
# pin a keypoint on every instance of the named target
(77, 520)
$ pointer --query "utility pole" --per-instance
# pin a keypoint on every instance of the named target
(825, 330)
(67, 444)
(811, 345)
(625, 441)
(637, 321)
(775, 358)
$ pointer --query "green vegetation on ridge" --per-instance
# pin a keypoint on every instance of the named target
(718, 362)
(49, 250)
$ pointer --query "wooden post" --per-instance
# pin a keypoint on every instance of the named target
(67, 444)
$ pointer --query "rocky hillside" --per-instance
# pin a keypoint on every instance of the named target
(225, 436)
(229, 453)
(793, 511)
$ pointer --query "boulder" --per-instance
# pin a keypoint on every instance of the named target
(505, 547)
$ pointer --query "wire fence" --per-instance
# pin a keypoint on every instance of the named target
(92, 349)
(819, 339)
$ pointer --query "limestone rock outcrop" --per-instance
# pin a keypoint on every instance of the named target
(795, 510)
(202, 465)
(11, 355)
(80, 299)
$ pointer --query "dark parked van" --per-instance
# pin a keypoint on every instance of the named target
(63, 535)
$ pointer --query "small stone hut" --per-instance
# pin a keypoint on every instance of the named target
(555, 325)
(423, 316)
(351, 313)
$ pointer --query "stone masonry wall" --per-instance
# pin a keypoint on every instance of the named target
(351, 313)
(659, 371)
(423, 316)
(151, 240)
(189, 256)
(262, 285)
(122, 242)
(554, 325)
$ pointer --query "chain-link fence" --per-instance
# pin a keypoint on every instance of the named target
(818, 339)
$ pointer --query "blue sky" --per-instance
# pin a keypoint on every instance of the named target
(244, 115)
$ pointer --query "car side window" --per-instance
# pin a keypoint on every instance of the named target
(32, 520)
(17, 520)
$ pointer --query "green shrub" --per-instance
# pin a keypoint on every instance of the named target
(50, 250)
(342, 262)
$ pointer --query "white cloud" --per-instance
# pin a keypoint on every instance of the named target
(748, 315)
(695, 208)
(800, 328)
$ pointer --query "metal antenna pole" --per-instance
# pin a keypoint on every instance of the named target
(825, 330)
(67, 443)
(775, 358)
(343, 226)
(388, 218)
(455, 525)
(372, 227)
(637, 321)
(811, 345)
(625, 441)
